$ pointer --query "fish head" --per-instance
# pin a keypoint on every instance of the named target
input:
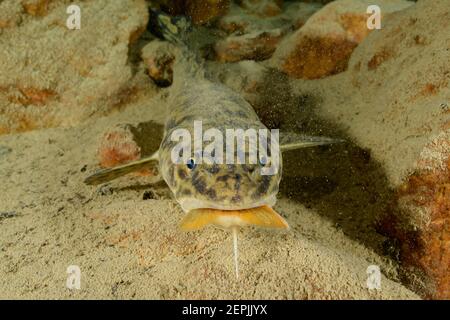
(225, 186)
(204, 184)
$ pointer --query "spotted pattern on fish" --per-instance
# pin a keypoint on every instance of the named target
(224, 186)
(194, 97)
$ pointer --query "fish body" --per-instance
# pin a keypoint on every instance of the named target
(228, 186)
(221, 185)
(198, 185)
(240, 189)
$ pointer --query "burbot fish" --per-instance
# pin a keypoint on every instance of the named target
(214, 192)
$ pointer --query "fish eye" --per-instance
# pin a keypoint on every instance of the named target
(191, 164)
(264, 161)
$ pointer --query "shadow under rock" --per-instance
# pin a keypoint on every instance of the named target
(341, 182)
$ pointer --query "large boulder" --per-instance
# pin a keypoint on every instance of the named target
(263, 8)
(254, 35)
(50, 75)
(158, 56)
(253, 46)
(205, 11)
(394, 101)
(323, 46)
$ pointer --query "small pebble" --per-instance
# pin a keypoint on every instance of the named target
(8, 214)
(105, 190)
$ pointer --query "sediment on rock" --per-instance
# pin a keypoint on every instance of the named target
(323, 46)
(399, 111)
(51, 76)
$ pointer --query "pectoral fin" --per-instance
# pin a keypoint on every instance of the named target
(264, 217)
(109, 174)
(291, 141)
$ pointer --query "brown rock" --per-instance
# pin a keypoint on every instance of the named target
(118, 146)
(36, 7)
(159, 58)
(300, 12)
(204, 11)
(263, 8)
(318, 1)
(10, 13)
(126, 142)
(28, 95)
(393, 100)
(61, 76)
(200, 11)
(240, 20)
(320, 57)
(378, 58)
(236, 20)
(253, 46)
(424, 231)
(323, 46)
(172, 7)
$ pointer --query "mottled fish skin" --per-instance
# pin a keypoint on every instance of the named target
(222, 186)
(194, 97)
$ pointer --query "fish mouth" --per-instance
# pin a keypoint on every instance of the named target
(189, 204)
(262, 217)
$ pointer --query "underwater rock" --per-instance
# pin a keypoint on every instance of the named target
(420, 219)
(240, 21)
(262, 8)
(204, 11)
(299, 12)
(245, 77)
(52, 76)
(159, 58)
(255, 38)
(318, 1)
(323, 46)
(36, 7)
(252, 46)
(397, 107)
(172, 7)
(236, 20)
(118, 146)
(10, 14)
(33, 96)
(128, 142)
(200, 11)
